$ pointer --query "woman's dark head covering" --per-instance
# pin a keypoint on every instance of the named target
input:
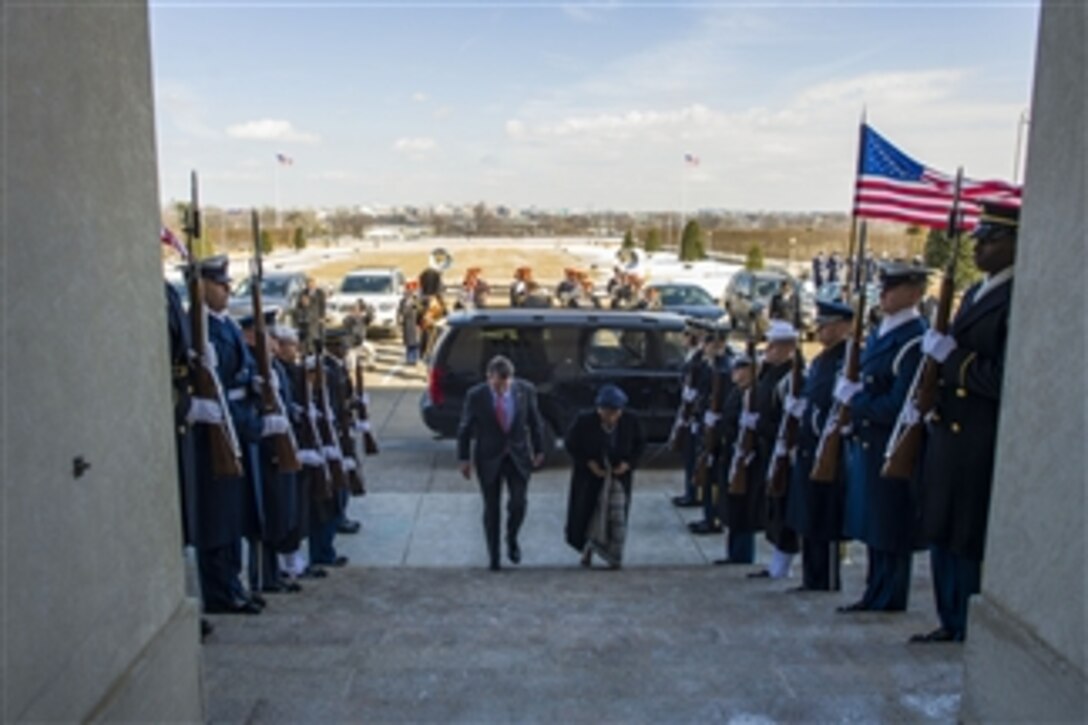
(611, 397)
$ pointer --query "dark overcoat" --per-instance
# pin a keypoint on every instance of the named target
(959, 458)
(177, 323)
(814, 509)
(587, 441)
(882, 512)
(779, 532)
(279, 490)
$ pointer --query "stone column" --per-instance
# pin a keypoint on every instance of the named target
(1026, 651)
(95, 621)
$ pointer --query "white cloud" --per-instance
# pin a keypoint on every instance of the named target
(419, 97)
(269, 129)
(414, 145)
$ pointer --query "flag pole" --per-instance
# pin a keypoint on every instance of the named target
(848, 284)
(277, 176)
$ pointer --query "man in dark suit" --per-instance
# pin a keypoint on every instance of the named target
(962, 432)
(502, 415)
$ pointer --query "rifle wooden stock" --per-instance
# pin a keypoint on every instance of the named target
(325, 425)
(825, 467)
(370, 444)
(743, 448)
(311, 437)
(778, 477)
(226, 454)
(702, 466)
(286, 450)
(905, 444)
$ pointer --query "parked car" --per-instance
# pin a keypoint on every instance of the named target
(747, 299)
(568, 354)
(690, 300)
(278, 289)
(834, 291)
(380, 288)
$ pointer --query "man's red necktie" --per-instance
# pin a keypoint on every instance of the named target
(500, 411)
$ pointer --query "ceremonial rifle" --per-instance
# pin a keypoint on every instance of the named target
(286, 455)
(311, 432)
(226, 453)
(329, 442)
(778, 474)
(681, 427)
(706, 456)
(744, 447)
(370, 445)
(905, 443)
(352, 467)
(825, 468)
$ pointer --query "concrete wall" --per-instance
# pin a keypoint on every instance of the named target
(95, 621)
(1026, 654)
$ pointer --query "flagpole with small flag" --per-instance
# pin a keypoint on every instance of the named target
(281, 160)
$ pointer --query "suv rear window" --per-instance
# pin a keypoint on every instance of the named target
(535, 351)
(623, 349)
(373, 284)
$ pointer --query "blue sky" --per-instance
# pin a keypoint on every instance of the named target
(588, 106)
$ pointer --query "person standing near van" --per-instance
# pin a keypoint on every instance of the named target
(503, 416)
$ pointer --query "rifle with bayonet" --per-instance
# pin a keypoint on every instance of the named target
(905, 443)
(226, 453)
(286, 449)
(330, 443)
(825, 468)
(370, 444)
(744, 448)
(778, 474)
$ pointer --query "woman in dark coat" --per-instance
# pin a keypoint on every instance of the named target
(604, 445)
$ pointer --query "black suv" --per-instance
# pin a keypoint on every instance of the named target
(568, 354)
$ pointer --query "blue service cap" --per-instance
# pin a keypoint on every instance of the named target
(215, 269)
(832, 311)
(743, 360)
(897, 273)
(248, 321)
(610, 396)
(996, 216)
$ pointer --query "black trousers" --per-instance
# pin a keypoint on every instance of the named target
(955, 579)
(516, 503)
(820, 565)
(219, 570)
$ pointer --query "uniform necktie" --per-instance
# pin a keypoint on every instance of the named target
(500, 411)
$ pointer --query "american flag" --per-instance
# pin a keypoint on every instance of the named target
(894, 187)
(691, 159)
(284, 159)
(168, 238)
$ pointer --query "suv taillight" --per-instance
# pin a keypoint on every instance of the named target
(434, 385)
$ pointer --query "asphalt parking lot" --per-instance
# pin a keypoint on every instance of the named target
(416, 629)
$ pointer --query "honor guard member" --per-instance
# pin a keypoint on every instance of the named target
(717, 357)
(279, 491)
(340, 397)
(814, 509)
(224, 503)
(740, 543)
(959, 458)
(691, 373)
(883, 512)
(326, 511)
(772, 392)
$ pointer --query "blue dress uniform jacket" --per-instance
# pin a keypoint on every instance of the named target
(279, 490)
(180, 345)
(222, 501)
(882, 512)
(815, 509)
(959, 459)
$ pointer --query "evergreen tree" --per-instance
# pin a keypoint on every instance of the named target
(939, 251)
(653, 240)
(754, 261)
(299, 241)
(266, 242)
(628, 240)
(691, 243)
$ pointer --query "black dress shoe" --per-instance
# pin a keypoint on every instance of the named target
(348, 527)
(292, 587)
(495, 566)
(938, 635)
(730, 562)
(339, 561)
(684, 502)
(246, 607)
(703, 528)
(761, 574)
(206, 628)
(314, 572)
(513, 551)
(258, 600)
(274, 587)
(851, 608)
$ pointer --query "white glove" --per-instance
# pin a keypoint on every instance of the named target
(204, 410)
(364, 399)
(938, 346)
(361, 426)
(846, 389)
(910, 414)
(274, 425)
(349, 464)
(749, 420)
(710, 419)
(694, 425)
(313, 412)
(310, 457)
(795, 407)
(690, 394)
(780, 450)
(332, 453)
